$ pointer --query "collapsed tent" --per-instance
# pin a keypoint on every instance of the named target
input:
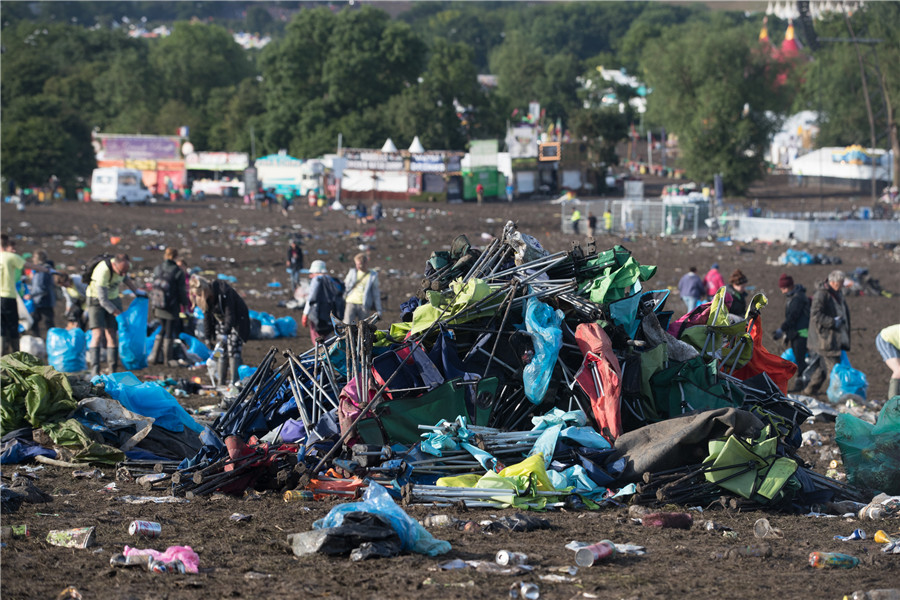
(523, 378)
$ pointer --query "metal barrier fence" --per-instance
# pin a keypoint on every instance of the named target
(637, 217)
(753, 228)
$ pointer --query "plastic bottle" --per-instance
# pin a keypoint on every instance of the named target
(891, 594)
(832, 560)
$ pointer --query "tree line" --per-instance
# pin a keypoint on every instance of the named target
(70, 68)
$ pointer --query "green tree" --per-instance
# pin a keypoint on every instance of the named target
(831, 83)
(717, 94)
(601, 128)
(649, 25)
(44, 136)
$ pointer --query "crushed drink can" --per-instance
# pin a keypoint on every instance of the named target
(508, 558)
(16, 531)
(148, 529)
(589, 555)
(857, 534)
(523, 590)
(80, 537)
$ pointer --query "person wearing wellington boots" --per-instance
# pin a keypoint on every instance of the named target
(226, 321)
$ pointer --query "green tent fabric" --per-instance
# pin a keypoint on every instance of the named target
(616, 280)
(398, 420)
(692, 385)
(749, 468)
(86, 443)
(32, 393)
(443, 306)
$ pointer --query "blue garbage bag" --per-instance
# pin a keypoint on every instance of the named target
(66, 349)
(286, 326)
(133, 334)
(195, 346)
(148, 399)
(245, 371)
(377, 500)
(797, 257)
(152, 338)
(788, 354)
(543, 323)
(846, 380)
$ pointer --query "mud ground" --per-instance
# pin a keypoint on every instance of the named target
(251, 558)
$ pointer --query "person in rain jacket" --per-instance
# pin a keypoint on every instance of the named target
(43, 294)
(888, 344)
(326, 297)
(226, 321)
(737, 288)
(795, 328)
(690, 286)
(713, 280)
(361, 291)
(829, 319)
(176, 297)
(104, 305)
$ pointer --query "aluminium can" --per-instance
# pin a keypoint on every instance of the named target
(148, 529)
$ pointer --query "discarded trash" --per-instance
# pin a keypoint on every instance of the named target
(668, 520)
(148, 529)
(858, 534)
(356, 529)
(763, 529)
(832, 560)
(93, 474)
(120, 560)
(295, 495)
(522, 590)
(889, 594)
(239, 517)
(152, 499)
(184, 554)
(439, 521)
(882, 538)
(713, 526)
(70, 593)
(80, 537)
(589, 555)
(158, 566)
(506, 558)
(15, 531)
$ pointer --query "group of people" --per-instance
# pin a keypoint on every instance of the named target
(356, 298)
(575, 219)
(695, 290)
(817, 325)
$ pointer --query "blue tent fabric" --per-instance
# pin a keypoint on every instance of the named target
(149, 400)
(19, 451)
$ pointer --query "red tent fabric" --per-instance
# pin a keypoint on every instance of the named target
(763, 361)
(605, 397)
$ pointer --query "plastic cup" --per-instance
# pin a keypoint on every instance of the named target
(763, 529)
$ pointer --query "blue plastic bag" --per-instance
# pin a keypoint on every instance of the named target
(245, 371)
(195, 346)
(149, 400)
(543, 323)
(66, 349)
(376, 500)
(133, 334)
(286, 326)
(797, 257)
(846, 380)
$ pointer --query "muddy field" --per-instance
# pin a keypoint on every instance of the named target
(251, 558)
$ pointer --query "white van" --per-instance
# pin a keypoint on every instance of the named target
(115, 184)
